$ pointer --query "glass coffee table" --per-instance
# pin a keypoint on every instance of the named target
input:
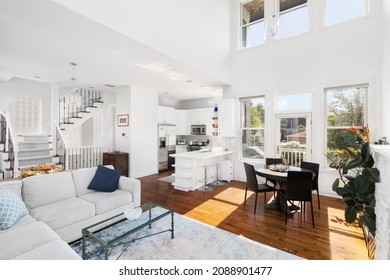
(103, 232)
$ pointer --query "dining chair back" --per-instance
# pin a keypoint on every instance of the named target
(252, 184)
(315, 167)
(299, 188)
(268, 162)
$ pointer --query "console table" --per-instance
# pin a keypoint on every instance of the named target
(119, 160)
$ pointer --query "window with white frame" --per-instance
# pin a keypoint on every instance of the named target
(252, 25)
(252, 127)
(345, 108)
(293, 18)
(296, 102)
(337, 11)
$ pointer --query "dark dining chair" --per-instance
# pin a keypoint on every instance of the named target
(252, 184)
(315, 167)
(298, 188)
(268, 162)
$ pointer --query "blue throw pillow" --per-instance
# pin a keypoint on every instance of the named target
(11, 209)
(105, 179)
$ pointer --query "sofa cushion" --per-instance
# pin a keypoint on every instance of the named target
(105, 179)
(105, 202)
(23, 221)
(45, 189)
(53, 250)
(82, 177)
(14, 186)
(11, 208)
(24, 239)
(64, 213)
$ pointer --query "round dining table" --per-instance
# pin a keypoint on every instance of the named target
(280, 177)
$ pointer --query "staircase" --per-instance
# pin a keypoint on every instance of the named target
(24, 151)
(74, 109)
(34, 150)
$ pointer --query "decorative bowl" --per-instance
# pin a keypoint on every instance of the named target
(133, 213)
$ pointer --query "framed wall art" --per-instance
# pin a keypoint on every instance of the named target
(123, 120)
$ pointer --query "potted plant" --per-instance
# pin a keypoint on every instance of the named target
(356, 182)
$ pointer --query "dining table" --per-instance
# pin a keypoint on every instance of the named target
(280, 177)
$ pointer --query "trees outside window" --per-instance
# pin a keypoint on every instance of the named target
(252, 127)
(346, 109)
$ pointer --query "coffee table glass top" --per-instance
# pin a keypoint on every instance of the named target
(151, 212)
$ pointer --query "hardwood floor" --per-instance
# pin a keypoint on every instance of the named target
(331, 239)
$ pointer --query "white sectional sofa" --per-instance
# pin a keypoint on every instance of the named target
(60, 205)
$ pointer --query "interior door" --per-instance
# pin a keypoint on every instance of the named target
(293, 138)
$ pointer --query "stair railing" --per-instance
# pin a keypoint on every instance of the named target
(69, 110)
(60, 150)
(10, 147)
(83, 157)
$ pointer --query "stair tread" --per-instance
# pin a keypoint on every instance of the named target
(34, 157)
(33, 142)
(34, 150)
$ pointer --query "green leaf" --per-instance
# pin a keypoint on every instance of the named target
(352, 164)
(343, 192)
(369, 162)
(365, 152)
(361, 184)
(350, 214)
(371, 174)
(348, 199)
(335, 184)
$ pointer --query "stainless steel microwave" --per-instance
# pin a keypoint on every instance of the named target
(199, 129)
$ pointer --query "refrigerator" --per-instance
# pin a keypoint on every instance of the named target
(166, 146)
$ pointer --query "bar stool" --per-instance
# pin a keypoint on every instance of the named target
(218, 182)
(205, 188)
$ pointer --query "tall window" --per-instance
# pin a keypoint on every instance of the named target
(342, 10)
(293, 18)
(346, 108)
(252, 23)
(252, 127)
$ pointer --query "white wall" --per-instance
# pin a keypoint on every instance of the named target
(339, 55)
(17, 87)
(196, 32)
(143, 137)
(123, 101)
(386, 68)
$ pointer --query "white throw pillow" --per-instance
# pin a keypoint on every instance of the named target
(11, 208)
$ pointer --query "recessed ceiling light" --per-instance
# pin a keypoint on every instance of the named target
(202, 85)
(189, 81)
(166, 93)
(107, 85)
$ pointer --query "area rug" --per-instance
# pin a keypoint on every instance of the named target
(193, 241)
(169, 179)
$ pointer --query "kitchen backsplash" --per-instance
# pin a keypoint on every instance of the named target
(224, 142)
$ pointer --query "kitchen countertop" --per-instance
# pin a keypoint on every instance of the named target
(202, 154)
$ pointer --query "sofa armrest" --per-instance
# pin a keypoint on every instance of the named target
(133, 186)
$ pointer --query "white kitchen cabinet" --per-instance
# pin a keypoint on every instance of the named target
(166, 115)
(200, 116)
(227, 117)
(181, 123)
(226, 170)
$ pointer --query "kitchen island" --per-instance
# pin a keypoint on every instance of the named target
(190, 168)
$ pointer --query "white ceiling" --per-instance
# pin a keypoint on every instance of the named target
(41, 38)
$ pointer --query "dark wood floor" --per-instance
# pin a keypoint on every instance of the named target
(331, 239)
